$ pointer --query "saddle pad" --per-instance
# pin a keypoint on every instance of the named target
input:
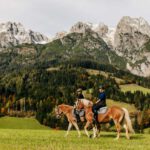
(80, 112)
(102, 110)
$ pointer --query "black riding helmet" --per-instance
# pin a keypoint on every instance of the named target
(101, 87)
(79, 90)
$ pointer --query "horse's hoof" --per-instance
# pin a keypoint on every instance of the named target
(116, 139)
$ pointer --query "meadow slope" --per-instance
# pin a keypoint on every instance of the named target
(133, 88)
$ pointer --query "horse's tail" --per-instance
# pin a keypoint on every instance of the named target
(128, 120)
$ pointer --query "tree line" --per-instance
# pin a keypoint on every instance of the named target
(40, 90)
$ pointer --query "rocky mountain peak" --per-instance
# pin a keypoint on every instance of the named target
(60, 35)
(12, 34)
(106, 33)
(11, 27)
(129, 41)
(128, 24)
(80, 27)
(131, 34)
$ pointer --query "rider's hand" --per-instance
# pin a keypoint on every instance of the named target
(97, 101)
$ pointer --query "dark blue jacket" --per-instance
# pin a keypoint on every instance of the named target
(102, 98)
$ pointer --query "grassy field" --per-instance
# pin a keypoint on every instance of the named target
(20, 123)
(129, 107)
(18, 139)
(106, 74)
(43, 138)
(133, 88)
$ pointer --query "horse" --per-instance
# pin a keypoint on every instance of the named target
(119, 115)
(68, 111)
(88, 116)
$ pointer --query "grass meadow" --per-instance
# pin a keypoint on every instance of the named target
(133, 88)
(30, 139)
(33, 136)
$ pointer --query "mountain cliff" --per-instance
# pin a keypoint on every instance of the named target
(12, 34)
(130, 40)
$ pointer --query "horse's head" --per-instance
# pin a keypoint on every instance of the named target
(58, 112)
(79, 104)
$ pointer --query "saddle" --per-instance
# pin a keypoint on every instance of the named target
(102, 110)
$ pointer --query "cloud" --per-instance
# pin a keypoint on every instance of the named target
(51, 16)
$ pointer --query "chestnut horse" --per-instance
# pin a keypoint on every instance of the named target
(119, 115)
(68, 111)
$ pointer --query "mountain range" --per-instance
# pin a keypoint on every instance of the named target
(12, 34)
(127, 46)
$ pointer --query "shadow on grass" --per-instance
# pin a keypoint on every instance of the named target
(137, 137)
(113, 136)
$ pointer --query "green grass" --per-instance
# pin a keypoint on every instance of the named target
(55, 140)
(133, 88)
(105, 74)
(129, 107)
(20, 123)
(26, 138)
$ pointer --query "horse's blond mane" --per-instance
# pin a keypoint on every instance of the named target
(64, 106)
(87, 102)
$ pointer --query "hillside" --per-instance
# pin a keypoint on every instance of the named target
(133, 88)
(129, 107)
(20, 123)
(106, 74)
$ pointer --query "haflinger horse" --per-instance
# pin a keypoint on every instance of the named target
(119, 115)
(68, 111)
(88, 115)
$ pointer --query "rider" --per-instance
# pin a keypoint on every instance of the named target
(101, 102)
(80, 113)
(79, 94)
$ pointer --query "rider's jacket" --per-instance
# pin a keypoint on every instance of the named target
(102, 99)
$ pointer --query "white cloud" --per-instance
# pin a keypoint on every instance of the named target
(51, 16)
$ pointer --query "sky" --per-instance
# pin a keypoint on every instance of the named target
(52, 16)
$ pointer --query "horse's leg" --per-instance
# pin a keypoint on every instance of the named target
(77, 128)
(85, 128)
(99, 129)
(69, 127)
(94, 130)
(127, 131)
(118, 127)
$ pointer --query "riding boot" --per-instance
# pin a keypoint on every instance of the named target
(95, 118)
(77, 115)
